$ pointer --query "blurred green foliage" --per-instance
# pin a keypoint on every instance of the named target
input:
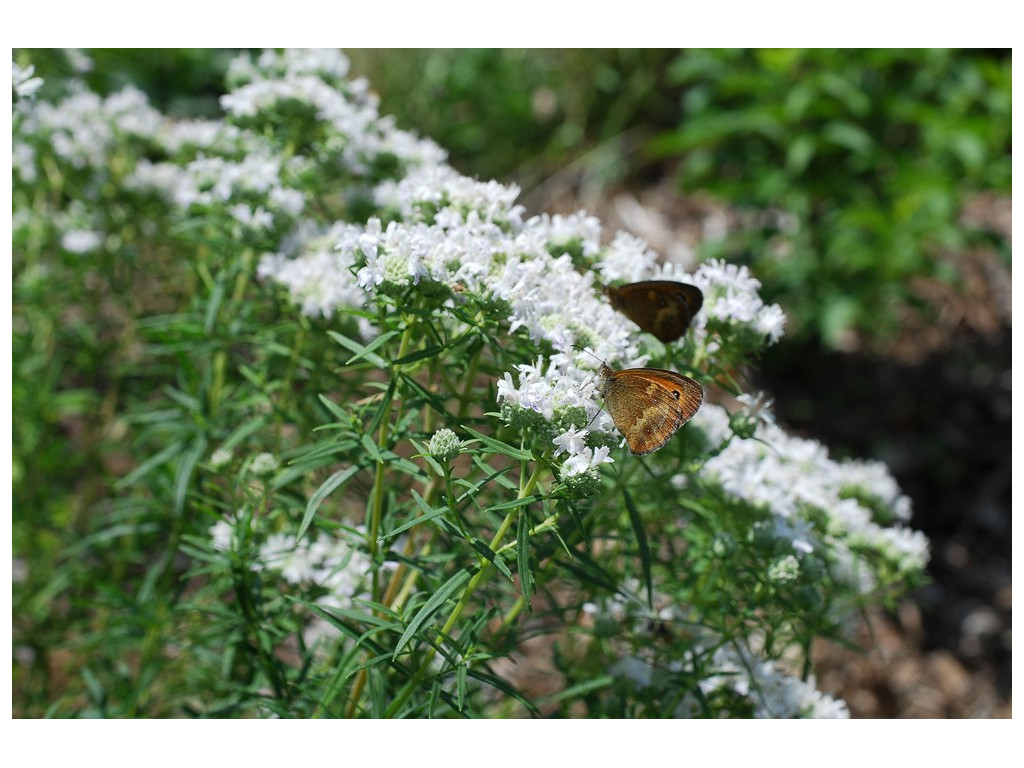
(866, 158)
(524, 115)
(184, 82)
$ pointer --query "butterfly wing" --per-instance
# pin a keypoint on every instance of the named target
(648, 405)
(664, 308)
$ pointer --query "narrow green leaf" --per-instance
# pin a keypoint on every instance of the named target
(371, 448)
(641, 540)
(581, 689)
(245, 429)
(429, 397)
(577, 520)
(424, 453)
(383, 408)
(329, 486)
(336, 410)
(512, 504)
(424, 518)
(213, 307)
(359, 349)
(147, 466)
(450, 587)
(499, 447)
(421, 354)
(502, 685)
(523, 558)
(185, 471)
(493, 557)
(437, 519)
(498, 475)
(460, 685)
(375, 344)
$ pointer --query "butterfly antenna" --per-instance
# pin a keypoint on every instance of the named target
(588, 352)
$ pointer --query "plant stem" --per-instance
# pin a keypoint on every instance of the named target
(525, 489)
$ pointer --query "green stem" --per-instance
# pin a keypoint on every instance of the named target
(377, 508)
(525, 490)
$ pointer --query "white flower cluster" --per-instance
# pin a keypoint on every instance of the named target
(733, 666)
(320, 281)
(313, 79)
(448, 197)
(82, 129)
(327, 63)
(797, 482)
(252, 187)
(771, 692)
(332, 565)
(23, 84)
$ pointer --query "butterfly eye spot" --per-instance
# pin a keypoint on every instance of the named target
(676, 393)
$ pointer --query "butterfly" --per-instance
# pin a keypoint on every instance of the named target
(662, 307)
(648, 405)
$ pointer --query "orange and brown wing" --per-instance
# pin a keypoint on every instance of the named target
(664, 308)
(648, 405)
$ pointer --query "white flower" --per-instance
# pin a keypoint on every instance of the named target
(220, 458)
(584, 461)
(264, 464)
(80, 241)
(796, 481)
(773, 693)
(22, 81)
(281, 552)
(221, 533)
(256, 219)
(572, 441)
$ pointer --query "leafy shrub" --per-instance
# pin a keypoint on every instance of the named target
(361, 457)
(859, 163)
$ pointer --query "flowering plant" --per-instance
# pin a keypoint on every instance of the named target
(381, 448)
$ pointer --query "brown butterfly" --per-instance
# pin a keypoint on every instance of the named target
(648, 405)
(662, 307)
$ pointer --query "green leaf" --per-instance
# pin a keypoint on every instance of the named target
(428, 515)
(460, 685)
(498, 475)
(336, 410)
(245, 429)
(216, 297)
(513, 504)
(577, 520)
(184, 475)
(371, 448)
(378, 342)
(641, 540)
(505, 687)
(438, 599)
(581, 689)
(148, 466)
(421, 354)
(523, 558)
(424, 453)
(361, 350)
(328, 487)
(429, 397)
(492, 557)
(499, 447)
